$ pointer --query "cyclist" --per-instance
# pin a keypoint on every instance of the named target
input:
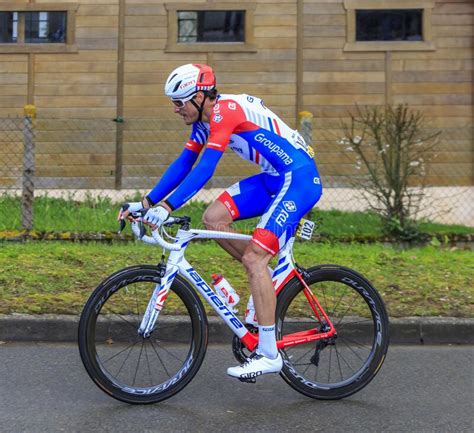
(287, 188)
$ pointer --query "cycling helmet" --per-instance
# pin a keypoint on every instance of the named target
(184, 82)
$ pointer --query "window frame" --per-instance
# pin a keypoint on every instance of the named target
(173, 46)
(351, 6)
(21, 47)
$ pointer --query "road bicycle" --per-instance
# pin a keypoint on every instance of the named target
(143, 332)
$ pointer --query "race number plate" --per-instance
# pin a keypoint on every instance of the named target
(305, 229)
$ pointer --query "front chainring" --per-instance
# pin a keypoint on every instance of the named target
(241, 353)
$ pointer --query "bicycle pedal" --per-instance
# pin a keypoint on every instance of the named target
(250, 380)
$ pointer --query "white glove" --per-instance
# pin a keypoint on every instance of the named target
(156, 216)
(130, 208)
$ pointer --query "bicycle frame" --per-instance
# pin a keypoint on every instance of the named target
(283, 272)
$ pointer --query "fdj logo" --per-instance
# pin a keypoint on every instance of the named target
(289, 206)
(281, 218)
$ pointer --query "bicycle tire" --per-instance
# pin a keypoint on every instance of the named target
(361, 344)
(104, 327)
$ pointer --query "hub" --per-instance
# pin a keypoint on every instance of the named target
(322, 344)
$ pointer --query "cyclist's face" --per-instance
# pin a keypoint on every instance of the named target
(186, 110)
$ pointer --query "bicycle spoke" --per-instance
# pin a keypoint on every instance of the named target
(339, 363)
(324, 298)
(329, 370)
(337, 304)
(148, 365)
(301, 357)
(347, 309)
(169, 353)
(306, 369)
(138, 364)
(125, 360)
(138, 307)
(363, 346)
(117, 354)
(346, 362)
(302, 364)
(353, 323)
(124, 300)
(159, 358)
(125, 320)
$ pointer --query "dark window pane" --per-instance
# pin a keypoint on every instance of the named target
(45, 27)
(211, 26)
(389, 25)
(8, 27)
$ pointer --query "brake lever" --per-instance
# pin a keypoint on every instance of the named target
(136, 216)
(122, 225)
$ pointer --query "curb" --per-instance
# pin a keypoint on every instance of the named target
(63, 328)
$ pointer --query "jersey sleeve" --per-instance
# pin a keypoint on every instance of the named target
(225, 120)
(173, 176)
(198, 138)
(195, 180)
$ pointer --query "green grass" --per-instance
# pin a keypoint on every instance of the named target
(99, 215)
(58, 277)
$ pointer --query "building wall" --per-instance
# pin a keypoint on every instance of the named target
(299, 63)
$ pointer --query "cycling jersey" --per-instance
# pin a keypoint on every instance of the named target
(250, 129)
(254, 132)
(287, 188)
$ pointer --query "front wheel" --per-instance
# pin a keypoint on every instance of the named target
(131, 367)
(341, 365)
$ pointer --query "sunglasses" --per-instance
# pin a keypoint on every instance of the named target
(180, 103)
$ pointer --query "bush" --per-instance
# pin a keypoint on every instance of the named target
(392, 151)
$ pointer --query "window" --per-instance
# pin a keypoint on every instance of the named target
(391, 25)
(211, 26)
(35, 27)
(45, 27)
(194, 27)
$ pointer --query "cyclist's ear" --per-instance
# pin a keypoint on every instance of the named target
(199, 97)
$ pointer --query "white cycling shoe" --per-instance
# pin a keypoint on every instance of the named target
(255, 366)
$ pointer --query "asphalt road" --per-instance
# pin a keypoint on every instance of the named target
(44, 388)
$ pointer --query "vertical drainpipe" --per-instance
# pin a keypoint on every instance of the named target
(120, 90)
(299, 57)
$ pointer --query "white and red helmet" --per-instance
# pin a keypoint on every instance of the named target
(184, 82)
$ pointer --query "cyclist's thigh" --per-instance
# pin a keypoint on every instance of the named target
(299, 193)
(250, 197)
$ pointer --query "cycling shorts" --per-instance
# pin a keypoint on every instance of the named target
(280, 201)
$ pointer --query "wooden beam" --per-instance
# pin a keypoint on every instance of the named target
(120, 95)
(388, 78)
(299, 58)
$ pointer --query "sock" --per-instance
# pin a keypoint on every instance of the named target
(267, 341)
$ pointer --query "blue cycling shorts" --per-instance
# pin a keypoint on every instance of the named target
(280, 201)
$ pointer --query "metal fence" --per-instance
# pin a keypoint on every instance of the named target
(79, 158)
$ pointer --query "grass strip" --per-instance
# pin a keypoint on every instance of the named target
(58, 277)
(99, 215)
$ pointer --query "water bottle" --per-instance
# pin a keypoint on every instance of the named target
(225, 291)
(250, 315)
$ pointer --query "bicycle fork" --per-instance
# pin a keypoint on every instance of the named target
(156, 302)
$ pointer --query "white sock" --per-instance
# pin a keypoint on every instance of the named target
(267, 341)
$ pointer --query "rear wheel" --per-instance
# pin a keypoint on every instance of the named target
(130, 367)
(342, 365)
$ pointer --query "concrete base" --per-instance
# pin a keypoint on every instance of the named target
(63, 328)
